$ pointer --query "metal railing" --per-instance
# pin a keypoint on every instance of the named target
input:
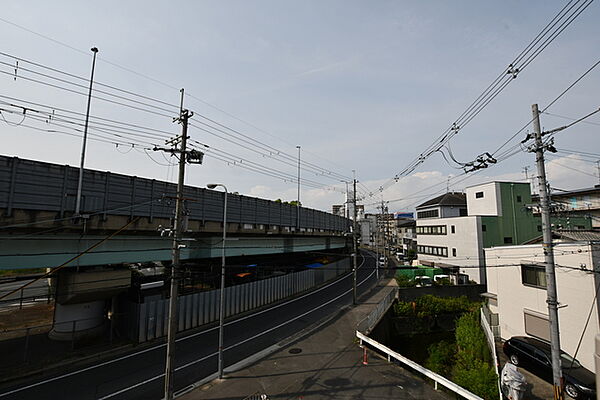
(371, 320)
(438, 379)
(30, 347)
(491, 343)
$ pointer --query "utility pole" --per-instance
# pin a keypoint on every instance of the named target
(193, 157)
(355, 255)
(551, 296)
(598, 166)
(85, 129)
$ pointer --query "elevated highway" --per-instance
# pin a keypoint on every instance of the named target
(38, 228)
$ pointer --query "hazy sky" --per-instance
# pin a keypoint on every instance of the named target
(360, 85)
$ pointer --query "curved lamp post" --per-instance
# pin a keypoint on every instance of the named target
(222, 293)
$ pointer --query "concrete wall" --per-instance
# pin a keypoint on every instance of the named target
(42, 187)
(489, 204)
(576, 288)
(52, 251)
(466, 240)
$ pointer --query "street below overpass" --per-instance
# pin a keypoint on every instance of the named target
(140, 374)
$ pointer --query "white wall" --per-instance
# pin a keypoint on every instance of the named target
(466, 240)
(489, 204)
(576, 291)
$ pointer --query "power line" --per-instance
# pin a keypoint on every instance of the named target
(564, 18)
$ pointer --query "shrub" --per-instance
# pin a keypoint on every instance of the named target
(429, 306)
(479, 377)
(470, 338)
(404, 281)
(440, 357)
(472, 369)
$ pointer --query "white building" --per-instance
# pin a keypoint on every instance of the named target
(517, 293)
(454, 228)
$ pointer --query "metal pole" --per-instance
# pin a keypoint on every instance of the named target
(355, 255)
(173, 320)
(298, 201)
(552, 299)
(85, 129)
(222, 293)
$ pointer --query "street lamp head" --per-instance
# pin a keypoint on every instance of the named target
(211, 185)
(94, 49)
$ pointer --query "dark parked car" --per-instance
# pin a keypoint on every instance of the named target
(534, 355)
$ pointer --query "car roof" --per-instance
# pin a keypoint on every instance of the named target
(540, 344)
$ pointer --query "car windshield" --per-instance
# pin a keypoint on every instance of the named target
(568, 362)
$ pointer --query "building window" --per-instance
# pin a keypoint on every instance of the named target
(453, 252)
(533, 275)
(433, 250)
(519, 199)
(508, 240)
(478, 195)
(483, 228)
(462, 212)
(428, 214)
(452, 228)
(431, 230)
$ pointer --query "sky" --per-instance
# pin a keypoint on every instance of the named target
(362, 86)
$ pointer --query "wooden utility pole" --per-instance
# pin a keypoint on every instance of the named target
(551, 296)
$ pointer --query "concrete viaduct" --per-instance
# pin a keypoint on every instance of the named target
(38, 228)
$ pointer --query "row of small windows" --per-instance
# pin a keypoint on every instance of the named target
(435, 230)
(431, 230)
(428, 214)
(433, 250)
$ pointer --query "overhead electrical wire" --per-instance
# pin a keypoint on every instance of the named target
(273, 151)
(552, 30)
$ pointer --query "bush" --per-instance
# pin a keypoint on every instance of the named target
(404, 281)
(429, 306)
(440, 358)
(470, 338)
(479, 377)
(472, 369)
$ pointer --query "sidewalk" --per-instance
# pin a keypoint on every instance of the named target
(324, 365)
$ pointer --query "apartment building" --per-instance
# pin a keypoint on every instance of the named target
(516, 283)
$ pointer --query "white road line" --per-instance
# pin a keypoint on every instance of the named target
(163, 345)
(239, 343)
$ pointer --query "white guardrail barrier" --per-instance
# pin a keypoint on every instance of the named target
(438, 379)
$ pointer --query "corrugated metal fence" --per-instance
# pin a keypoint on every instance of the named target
(202, 308)
(34, 185)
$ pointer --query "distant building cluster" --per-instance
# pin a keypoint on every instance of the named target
(491, 234)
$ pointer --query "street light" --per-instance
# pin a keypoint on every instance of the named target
(85, 130)
(222, 293)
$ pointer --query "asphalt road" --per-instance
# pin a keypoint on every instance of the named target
(139, 374)
(36, 291)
